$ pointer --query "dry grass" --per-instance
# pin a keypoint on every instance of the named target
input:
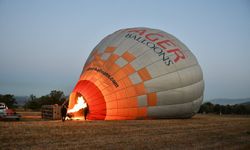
(200, 132)
(30, 116)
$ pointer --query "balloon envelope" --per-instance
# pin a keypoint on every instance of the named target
(140, 73)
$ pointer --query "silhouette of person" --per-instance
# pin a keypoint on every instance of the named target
(86, 111)
(63, 112)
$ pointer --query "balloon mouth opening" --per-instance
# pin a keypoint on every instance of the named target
(87, 94)
(76, 109)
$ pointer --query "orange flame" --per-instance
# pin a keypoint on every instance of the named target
(79, 105)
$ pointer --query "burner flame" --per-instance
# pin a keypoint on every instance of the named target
(79, 105)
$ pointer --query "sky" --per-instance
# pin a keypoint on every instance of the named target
(44, 44)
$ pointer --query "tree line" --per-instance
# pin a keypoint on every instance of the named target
(33, 102)
(9, 100)
(58, 97)
(209, 107)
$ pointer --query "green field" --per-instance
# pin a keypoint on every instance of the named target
(200, 132)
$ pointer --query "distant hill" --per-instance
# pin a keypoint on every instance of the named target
(21, 100)
(227, 101)
(246, 103)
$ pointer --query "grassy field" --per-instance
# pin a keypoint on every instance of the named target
(200, 132)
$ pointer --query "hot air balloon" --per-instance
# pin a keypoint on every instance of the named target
(140, 73)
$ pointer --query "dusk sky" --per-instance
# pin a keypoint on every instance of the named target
(44, 44)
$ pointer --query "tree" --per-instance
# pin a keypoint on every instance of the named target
(9, 100)
(217, 109)
(207, 108)
(241, 109)
(45, 100)
(228, 109)
(32, 103)
(55, 97)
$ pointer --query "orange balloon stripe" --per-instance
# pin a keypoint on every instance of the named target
(110, 49)
(142, 112)
(131, 91)
(144, 74)
(112, 105)
(128, 56)
(152, 99)
(128, 69)
(140, 89)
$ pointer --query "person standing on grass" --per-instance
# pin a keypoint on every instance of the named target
(86, 111)
(63, 112)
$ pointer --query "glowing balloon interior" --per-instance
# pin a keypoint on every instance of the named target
(139, 73)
